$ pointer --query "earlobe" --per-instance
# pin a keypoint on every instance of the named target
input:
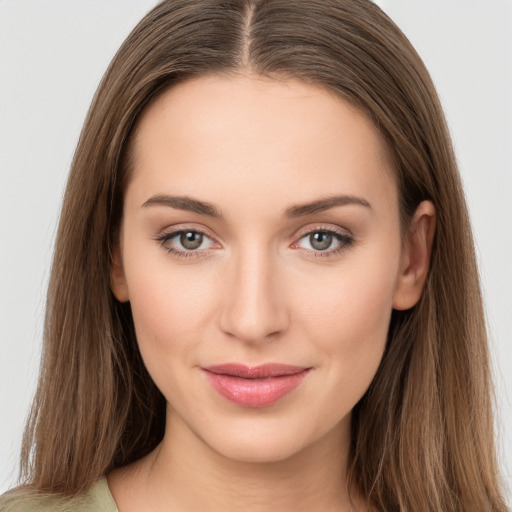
(415, 260)
(118, 283)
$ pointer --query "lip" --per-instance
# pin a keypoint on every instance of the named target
(255, 386)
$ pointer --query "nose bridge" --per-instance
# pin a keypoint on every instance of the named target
(254, 309)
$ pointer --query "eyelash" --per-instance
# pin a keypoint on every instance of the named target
(166, 237)
(344, 242)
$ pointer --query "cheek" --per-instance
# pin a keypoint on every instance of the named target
(351, 305)
(348, 316)
(167, 304)
(171, 307)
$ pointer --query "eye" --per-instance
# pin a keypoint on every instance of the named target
(191, 240)
(320, 241)
(324, 242)
(186, 242)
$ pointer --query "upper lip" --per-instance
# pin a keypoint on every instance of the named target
(264, 371)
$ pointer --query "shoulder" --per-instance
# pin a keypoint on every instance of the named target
(25, 500)
(97, 499)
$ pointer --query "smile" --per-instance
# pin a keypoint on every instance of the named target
(257, 386)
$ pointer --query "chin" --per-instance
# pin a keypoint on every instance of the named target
(270, 440)
(259, 451)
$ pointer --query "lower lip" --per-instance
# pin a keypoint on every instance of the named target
(255, 392)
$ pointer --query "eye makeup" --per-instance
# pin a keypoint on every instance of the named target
(320, 241)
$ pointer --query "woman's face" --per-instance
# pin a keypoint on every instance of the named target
(260, 250)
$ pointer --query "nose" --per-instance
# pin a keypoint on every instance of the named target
(255, 309)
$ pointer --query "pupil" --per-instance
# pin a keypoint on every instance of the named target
(320, 241)
(191, 240)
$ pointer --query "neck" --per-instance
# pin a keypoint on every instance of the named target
(184, 474)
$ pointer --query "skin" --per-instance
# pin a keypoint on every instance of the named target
(257, 290)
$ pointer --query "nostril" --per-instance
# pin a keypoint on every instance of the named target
(251, 324)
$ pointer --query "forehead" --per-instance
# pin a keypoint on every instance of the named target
(256, 135)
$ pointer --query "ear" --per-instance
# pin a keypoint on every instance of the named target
(415, 259)
(118, 283)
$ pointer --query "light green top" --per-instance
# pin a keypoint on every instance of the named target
(97, 499)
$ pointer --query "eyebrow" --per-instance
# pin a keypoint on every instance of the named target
(325, 204)
(204, 208)
(184, 203)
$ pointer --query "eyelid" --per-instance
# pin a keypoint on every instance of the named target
(172, 231)
(344, 237)
(178, 228)
(328, 228)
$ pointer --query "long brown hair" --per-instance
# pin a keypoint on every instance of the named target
(422, 436)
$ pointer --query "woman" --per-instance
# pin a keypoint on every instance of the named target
(258, 298)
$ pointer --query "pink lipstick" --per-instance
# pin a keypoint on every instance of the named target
(256, 386)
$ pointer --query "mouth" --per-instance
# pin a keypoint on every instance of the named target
(256, 386)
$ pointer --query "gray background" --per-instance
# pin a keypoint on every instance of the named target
(52, 56)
